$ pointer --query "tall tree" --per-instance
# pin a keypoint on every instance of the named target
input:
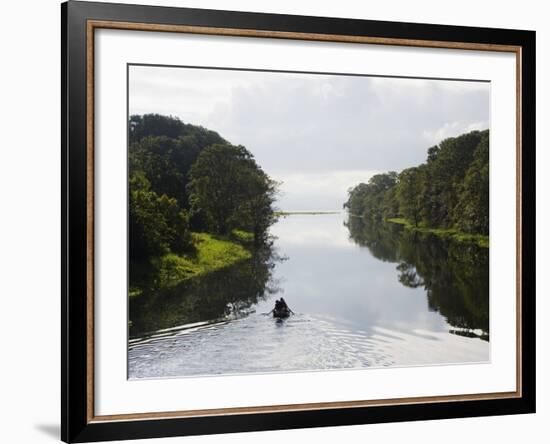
(446, 167)
(229, 189)
(156, 223)
(409, 193)
(376, 199)
(256, 210)
(472, 211)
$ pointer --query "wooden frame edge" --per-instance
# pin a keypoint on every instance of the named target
(519, 222)
(90, 208)
(91, 25)
(336, 38)
(286, 408)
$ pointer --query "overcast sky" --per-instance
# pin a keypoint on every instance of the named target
(318, 134)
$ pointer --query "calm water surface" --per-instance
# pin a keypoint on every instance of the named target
(364, 295)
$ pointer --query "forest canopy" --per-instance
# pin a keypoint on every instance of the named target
(449, 190)
(185, 178)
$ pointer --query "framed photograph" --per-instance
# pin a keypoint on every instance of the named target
(275, 221)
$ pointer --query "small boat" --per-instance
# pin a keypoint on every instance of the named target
(281, 313)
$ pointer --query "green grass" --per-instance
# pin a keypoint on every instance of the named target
(480, 239)
(211, 254)
(242, 236)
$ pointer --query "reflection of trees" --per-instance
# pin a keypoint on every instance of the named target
(408, 275)
(229, 291)
(376, 236)
(454, 274)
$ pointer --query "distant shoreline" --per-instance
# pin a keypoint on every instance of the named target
(309, 213)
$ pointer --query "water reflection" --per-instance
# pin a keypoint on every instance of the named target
(226, 293)
(364, 295)
(455, 275)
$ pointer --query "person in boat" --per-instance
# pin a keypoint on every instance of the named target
(281, 307)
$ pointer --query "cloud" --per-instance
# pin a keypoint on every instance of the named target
(452, 129)
(318, 191)
(303, 127)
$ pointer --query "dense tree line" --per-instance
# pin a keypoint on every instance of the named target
(230, 190)
(185, 178)
(449, 190)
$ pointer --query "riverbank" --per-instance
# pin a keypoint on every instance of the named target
(479, 239)
(211, 254)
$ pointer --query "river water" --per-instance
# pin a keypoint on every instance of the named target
(363, 296)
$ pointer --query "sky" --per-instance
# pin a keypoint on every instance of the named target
(318, 135)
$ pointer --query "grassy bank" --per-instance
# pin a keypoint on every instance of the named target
(242, 236)
(211, 254)
(480, 239)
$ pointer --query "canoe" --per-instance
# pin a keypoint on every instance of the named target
(280, 314)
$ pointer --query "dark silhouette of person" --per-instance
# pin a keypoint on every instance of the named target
(281, 307)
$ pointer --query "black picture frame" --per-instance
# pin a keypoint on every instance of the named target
(76, 423)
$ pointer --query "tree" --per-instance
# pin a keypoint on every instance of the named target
(445, 170)
(229, 190)
(355, 202)
(256, 210)
(450, 190)
(375, 200)
(156, 224)
(164, 149)
(154, 157)
(472, 211)
(409, 193)
(171, 127)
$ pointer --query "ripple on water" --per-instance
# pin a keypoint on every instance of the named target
(259, 343)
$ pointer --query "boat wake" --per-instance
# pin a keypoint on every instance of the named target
(260, 344)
